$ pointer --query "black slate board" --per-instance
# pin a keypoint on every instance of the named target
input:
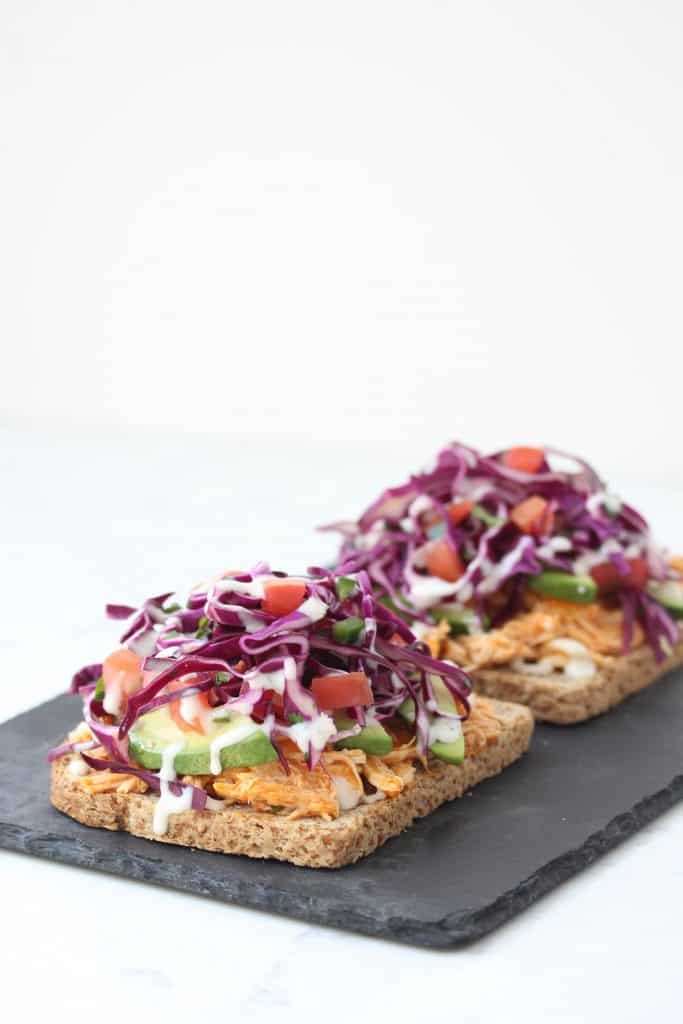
(451, 878)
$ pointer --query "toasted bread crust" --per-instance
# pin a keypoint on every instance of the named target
(306, 842)
(565, 701)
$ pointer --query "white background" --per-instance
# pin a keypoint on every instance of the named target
(256, 260)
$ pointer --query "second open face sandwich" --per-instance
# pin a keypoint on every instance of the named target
(523, 568)
(288, 717)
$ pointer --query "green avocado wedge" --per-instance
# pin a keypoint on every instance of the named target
(452, 752)
(373, 739)
(668, 593)
(564, 586)
(156, 731)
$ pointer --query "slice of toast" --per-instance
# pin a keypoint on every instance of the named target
(568, 701)
(308, 842)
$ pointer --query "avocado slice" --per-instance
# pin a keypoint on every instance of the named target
(451, 751)
(373, 738)
(668, 593)
(156, 730)
(564, 586)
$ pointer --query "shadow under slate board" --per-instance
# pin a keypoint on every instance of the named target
(451, 878)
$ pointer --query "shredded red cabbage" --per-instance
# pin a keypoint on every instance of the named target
(585, 527)
(222, 642)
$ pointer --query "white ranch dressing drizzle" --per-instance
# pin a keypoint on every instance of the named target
(252, 588)
(266, 680)
(167, 802)
(420, 504)
(425, 591)
(77, 766)
(113, 695)
(191, 708)
(473, 491)
(499, 571)
(317, 732)
(551, 546)
(604, 499)
(444, 730)
(313, 608)
(365, 541)
(250, 622)
(348, 796)
(584, 563)
(240, 732)
(578, 663)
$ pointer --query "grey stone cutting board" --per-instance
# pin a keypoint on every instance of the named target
(451, 878)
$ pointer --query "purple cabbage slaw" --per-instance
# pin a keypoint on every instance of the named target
(390, 539)
(224, 644)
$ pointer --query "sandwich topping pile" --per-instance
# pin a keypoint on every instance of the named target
(302, 696)
(521, 559)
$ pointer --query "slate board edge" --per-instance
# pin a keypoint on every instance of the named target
(445, 933)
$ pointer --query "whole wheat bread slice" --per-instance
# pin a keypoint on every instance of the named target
(566, 701)
(307, 842)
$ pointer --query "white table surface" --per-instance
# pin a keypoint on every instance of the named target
(85, 520)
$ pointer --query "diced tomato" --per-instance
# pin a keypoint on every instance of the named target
(283, 596)
(608, 577)
(270, 700)
(533, 515)
(525, 460)
(201, 701)
(276, 700)
(347, 690)
(122, 676)
(458, 511)
(442, 560)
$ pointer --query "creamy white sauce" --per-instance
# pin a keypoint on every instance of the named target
(604, 499)
(552, 546)
(499, 571)
(113, 695)
(365, 541)
(577, 662)
(420, 629)
(252, 588)
(585, 562)
(313, 608)
(349, 796)
(267, 680)
(77, 766)
(191, 709)
(444, 730)
(167, 802)
(250, 622)
(421, 504)
(671, 591)
(317, 732)
(474, 491)
(426, 591)
(397, 683)
(239, 732)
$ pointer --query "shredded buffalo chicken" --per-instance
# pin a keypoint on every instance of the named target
(302, 793)
(529, 636)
